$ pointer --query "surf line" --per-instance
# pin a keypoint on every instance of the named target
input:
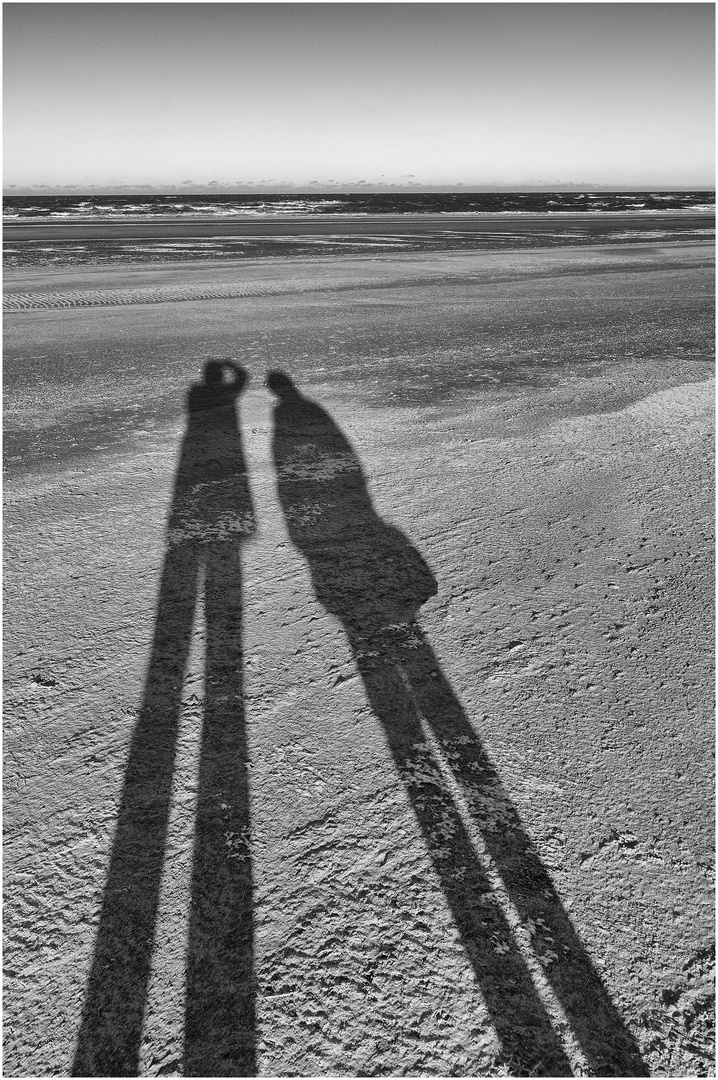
(521, 932)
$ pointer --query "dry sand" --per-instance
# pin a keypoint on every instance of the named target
(512, 878)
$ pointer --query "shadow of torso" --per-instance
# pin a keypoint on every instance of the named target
(212, 501)
(364, 570)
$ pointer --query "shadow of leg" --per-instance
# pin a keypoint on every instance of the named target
(609, 1047)
(111, 1029)
(529, 1044)
(219, 1020)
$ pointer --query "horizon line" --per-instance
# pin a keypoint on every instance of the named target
(356, 188)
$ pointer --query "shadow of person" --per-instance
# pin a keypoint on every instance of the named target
(210, 517)
(368, 575)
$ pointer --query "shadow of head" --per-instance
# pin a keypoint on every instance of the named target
(281, 385)
(214, 374)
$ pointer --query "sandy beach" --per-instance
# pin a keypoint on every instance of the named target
(477, 844)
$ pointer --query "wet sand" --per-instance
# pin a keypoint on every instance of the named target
(345, 224)
(56, 245)
(538, 427)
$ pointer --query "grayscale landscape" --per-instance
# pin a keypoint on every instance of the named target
(358, 540)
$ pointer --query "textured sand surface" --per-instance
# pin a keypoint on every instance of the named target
(476, 845)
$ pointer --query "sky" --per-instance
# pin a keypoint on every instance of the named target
(438, 94)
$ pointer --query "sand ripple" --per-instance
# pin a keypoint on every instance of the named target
(163, 294)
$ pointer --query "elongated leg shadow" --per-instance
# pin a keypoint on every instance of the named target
(366, 573)
(219, 1025)
(602, 1035)
(210, 516)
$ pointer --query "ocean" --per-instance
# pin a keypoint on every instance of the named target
(82, 207)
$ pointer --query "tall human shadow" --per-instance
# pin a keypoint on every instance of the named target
(210, 517)
(367, 574)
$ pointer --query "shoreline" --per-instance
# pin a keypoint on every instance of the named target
(140, 227)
